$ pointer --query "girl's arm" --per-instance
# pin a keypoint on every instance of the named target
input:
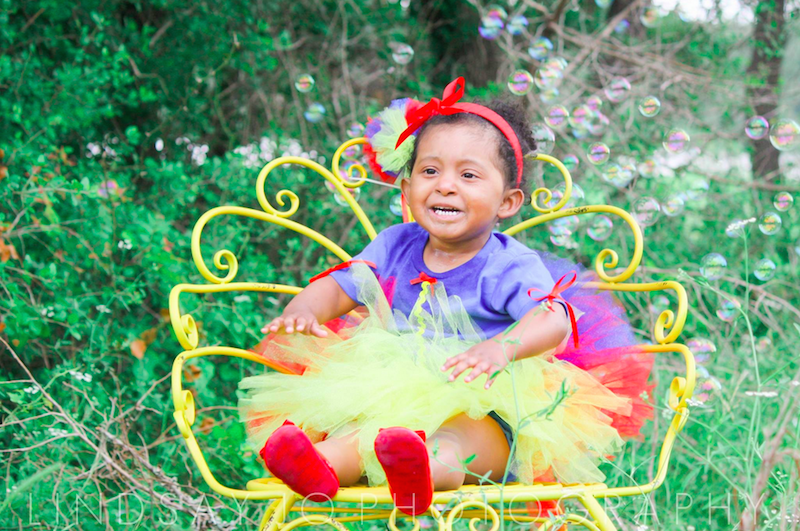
(318, 303)
(537, 332)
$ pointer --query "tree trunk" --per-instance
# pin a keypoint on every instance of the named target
(764, 71)
(456, 43)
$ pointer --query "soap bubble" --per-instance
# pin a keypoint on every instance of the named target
(571, 162)
(557, 62)
(673, 206)
(618, 89)
(650, 17)
(594, 103)
(783, 201)
(579, 116)
(304, 83)
(548, 76)
(610, 172)
(649, 106)
(355, 192)
(544, 137)
(356, 130)
(648, 168)
(352, 152)
(701, 347)
(797, 247)
(763, 344)
(602, 4)
(597, 123)
(520, 82)
(622, 26)
(580, 132)
(646, 211)
(784, 135)
(696, 189)
(764, 269)
(598, 153)
(315, 113)
(492, 23)
(557, 193)
(769, 223)
(566, 224)
(540, 48)
(728, 310)
(676, 140)
(707, 387)
(756, 127)
(517, 24)
(549, 95)
(396, 205)
(600, 228)
(562, 240)
(402, 53)
(557, 116)
(713, 266)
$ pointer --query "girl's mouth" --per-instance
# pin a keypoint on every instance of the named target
(445, 212)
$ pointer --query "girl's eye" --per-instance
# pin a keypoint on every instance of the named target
(469, 175)
(428, 171)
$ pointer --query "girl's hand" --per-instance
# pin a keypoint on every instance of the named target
(486, 357)
(303, 322)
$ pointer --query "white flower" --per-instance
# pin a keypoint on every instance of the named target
(159, 144)
(93, 149)
(242, 298)
(124, 244)
(82, 376)
(32, 390)
(58, 432)
(102, 308)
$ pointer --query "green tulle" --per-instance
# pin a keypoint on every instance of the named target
(387, 373)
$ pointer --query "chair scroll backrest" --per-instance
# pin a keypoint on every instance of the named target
(668, 325)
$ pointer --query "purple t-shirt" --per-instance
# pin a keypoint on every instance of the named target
(493, 285)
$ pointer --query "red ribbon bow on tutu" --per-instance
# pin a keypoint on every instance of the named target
(449, 104)
(555, 294)
(343, 265)
(424, 277)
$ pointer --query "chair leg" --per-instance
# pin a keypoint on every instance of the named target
(276, 513)
(597, 512)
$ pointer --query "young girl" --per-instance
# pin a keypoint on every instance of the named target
(455, 363)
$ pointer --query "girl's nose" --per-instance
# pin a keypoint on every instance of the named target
(446, 183)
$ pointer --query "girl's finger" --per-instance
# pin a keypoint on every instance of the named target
(452, 361)
(273, 325)
(300, 324)
(288, 324)
(461, 367)
(318, 330)
(479, 369)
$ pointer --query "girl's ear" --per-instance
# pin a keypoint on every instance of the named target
(512, 202)
(404, 186)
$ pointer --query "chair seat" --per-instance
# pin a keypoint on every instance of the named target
(512, 492)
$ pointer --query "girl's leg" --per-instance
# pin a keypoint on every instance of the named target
(461, 437)
(342, 453)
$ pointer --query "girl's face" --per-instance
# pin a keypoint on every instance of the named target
(457, 188)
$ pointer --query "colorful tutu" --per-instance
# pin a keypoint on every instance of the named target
(385, 371)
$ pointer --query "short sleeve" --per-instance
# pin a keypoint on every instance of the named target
(522, 273)
(374, 252)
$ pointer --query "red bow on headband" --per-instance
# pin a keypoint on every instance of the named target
(555, 293)
(450, 104)
(452, 94)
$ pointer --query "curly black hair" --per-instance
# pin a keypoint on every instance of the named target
(512, 113)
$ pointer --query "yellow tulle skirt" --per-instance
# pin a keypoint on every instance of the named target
(387, 372)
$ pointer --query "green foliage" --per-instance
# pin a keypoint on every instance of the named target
(124, 121)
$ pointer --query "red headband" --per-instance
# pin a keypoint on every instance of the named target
(449, 105)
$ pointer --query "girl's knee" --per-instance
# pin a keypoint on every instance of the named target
(446, 468)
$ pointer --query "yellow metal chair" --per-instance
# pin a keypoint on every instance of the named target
(473, 502)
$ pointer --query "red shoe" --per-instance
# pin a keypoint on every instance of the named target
(291, 457)
(404, 457)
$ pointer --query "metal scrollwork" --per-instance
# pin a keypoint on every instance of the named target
(548, 194)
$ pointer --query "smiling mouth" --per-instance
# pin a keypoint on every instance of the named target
(445, 212)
